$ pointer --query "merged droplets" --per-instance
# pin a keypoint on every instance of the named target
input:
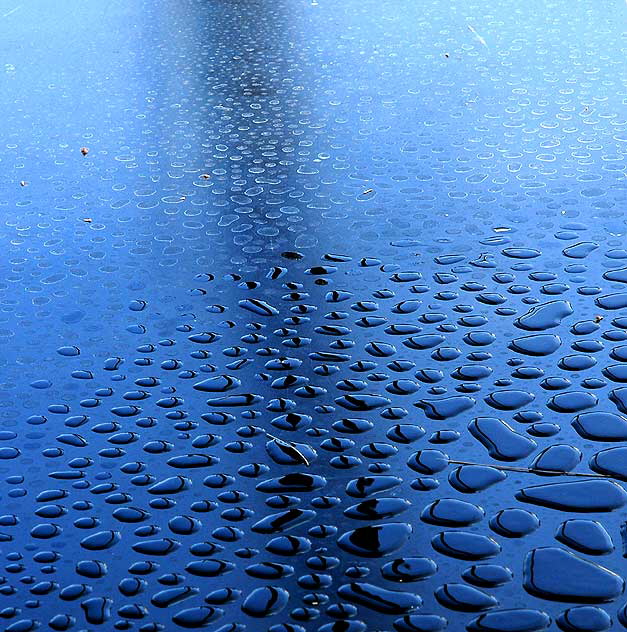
(288, 459)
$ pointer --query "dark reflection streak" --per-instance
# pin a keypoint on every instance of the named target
(253, 101)
(255, 138)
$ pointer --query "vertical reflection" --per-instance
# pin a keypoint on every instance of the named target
(234, 88)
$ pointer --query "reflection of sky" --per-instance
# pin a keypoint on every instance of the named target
(345, 98)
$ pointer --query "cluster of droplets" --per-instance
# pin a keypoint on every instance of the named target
(382, 432)
(397, 438)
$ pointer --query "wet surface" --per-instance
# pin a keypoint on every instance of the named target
(313, 316)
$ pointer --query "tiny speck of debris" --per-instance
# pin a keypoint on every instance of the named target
(598, 318)
(87, 220)
(367, 191)
(446, 55)
(292, 254)
(84, 150)
(205, 176)
(23, 183)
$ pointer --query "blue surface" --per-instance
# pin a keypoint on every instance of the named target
(195, 189)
